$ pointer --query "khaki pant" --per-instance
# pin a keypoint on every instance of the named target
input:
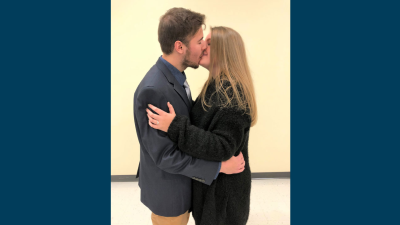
(179, 220)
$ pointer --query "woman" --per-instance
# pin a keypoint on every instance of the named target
(219, 127)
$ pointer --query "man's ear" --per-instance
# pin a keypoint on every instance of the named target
(179, 47)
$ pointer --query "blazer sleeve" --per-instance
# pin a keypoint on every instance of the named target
(161, 149)
(219, 143)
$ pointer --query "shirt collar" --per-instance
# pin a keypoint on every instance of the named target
(180, 77)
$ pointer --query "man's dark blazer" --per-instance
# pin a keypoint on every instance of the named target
(165, 173)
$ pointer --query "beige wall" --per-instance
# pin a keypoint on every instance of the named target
(265, 28)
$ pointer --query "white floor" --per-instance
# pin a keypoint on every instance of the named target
(269, 203)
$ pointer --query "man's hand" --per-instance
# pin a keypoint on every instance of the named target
(233, 165)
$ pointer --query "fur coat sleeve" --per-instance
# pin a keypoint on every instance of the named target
(219, 143)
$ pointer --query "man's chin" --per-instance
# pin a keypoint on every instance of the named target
(191, 64)
(194, 66)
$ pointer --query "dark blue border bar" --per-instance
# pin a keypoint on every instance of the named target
(55, 111)
(344, 112)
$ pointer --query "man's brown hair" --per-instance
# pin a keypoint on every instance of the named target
(178, 24)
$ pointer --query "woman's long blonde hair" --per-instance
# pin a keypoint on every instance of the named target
(228, 63)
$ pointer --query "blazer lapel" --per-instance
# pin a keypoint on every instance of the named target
(177, 87)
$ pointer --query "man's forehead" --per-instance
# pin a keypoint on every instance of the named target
(199, 33)
(198, 36)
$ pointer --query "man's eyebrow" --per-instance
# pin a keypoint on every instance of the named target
(201, 38)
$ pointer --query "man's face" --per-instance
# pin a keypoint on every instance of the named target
(195, 50)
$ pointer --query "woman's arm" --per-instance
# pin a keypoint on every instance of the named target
(218, 144)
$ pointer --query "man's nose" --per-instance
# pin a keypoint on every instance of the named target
(204, 46)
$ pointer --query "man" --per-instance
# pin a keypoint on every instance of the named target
(164, 172)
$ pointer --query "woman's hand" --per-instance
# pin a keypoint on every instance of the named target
(163, 119)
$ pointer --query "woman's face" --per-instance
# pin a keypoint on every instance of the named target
(205, 60)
